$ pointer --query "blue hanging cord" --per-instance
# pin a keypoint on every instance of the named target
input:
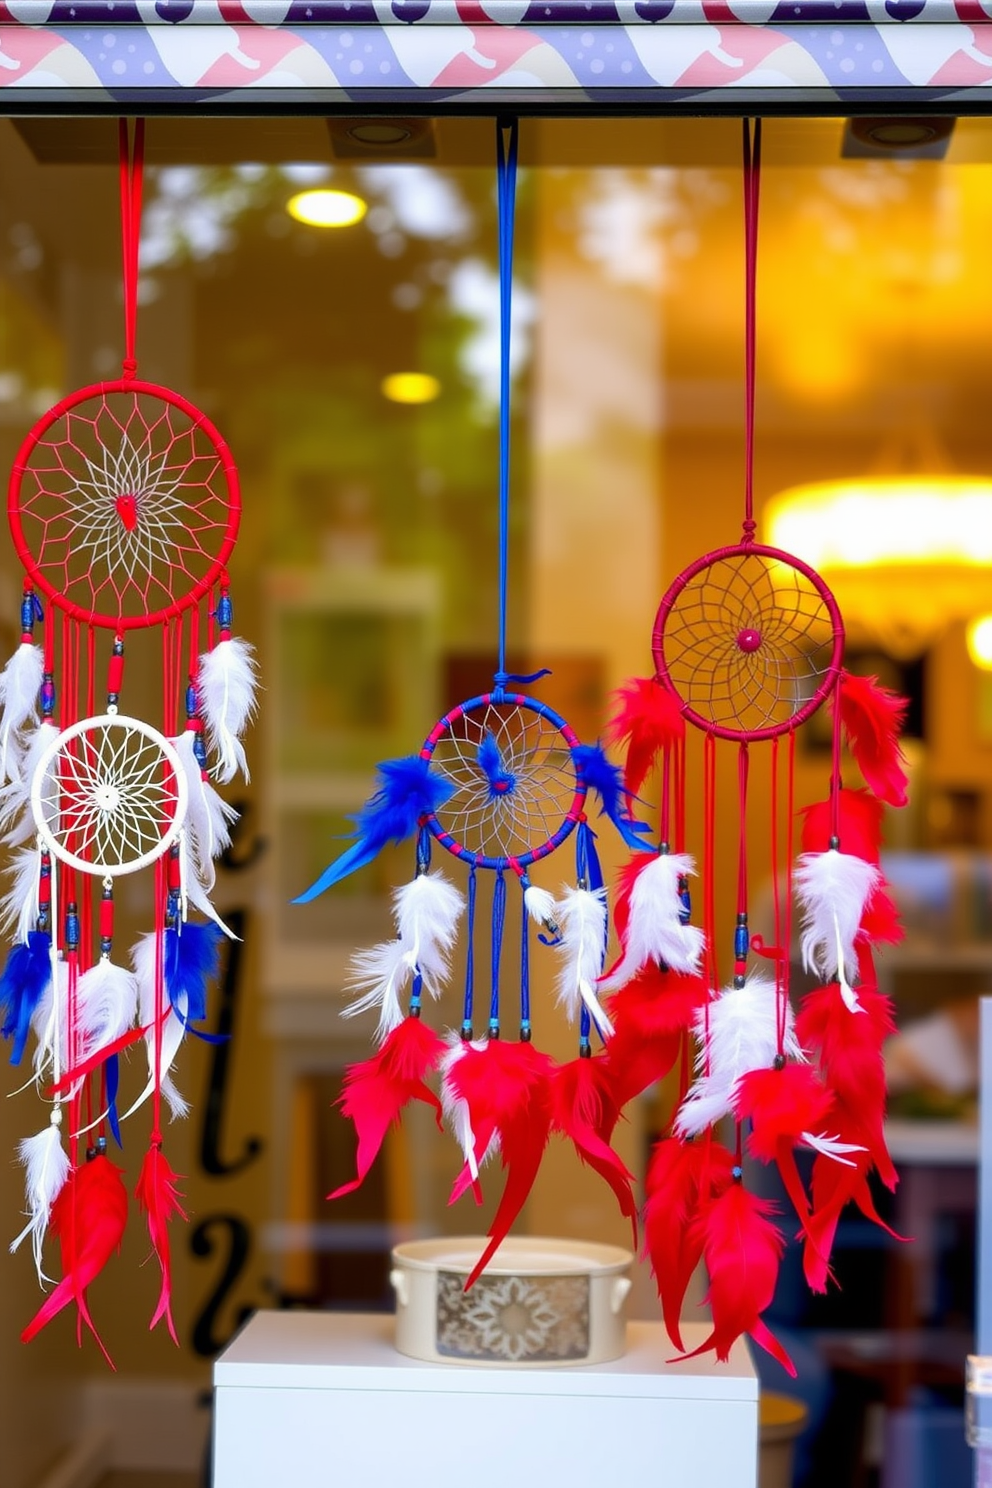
(507, 132)
(499, 920)
(469, 960)
(589, 873)
(524, 974)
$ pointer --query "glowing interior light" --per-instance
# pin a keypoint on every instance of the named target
(410, 387)
(979, 636)
(325, 208)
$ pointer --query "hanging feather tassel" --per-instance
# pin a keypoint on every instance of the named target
(683, 1178)
(782, 1105)
(649, 919)
(20, 685)
(157, 1193)
(18, 823)
(192, 888)
(190, 960)
(507, 1089)
(26, 977)
(606, 780)
(106, 1004)
(833, 889)
(581, 917)
(408, 790)
(540, 906)
(88, 1217)
(859, 824)
(46, 1170)
(376, 1090)
(652, 1015)
(647, 719)
(226, 686)
(426, 912)
(19, 906)
(834, 1186)
(586, 1113)
(742, 1250)
(208, 815)
(738, 1032)
(872, 718)
(477, 1143)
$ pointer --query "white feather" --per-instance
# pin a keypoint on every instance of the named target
(193, 890)
(832, 1147)
(208, 815)
(427, 911)
(654, 928)
(456, 1110)
(173, 1029)
(581, 917)
(20, 684)
(19, 905)
(46, 1170)
(380, 975)
(105, 1006)
(540, 905)
(737, 1033)
(15, 799)
(226, 686)
(833, 889)
(43, 1023)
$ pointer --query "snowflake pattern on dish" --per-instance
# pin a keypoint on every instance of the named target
(513, 1319)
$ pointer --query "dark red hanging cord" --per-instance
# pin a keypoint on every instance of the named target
(131, 171)
(752, 180)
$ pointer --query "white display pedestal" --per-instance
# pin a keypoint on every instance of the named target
(311, 1400)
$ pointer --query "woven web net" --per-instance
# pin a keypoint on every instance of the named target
(749, 644)
(124, 505)
(109, 798)
(514, 780)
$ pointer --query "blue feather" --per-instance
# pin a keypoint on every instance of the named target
(408, 790)
(491, 763)
(192, 959)
(23, 984)
(606, 780)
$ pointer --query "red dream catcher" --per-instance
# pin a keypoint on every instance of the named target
(500, 783)
(747, 645)
(124, 506)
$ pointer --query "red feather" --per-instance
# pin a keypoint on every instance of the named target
(742, 1250)
(682, 1180)
(781, 1104)
(647, 719)
(859, 825)
(872, 718)
(625, 884)
(376, 1090)
(508, 1090)
(880, 922)
(586, 1112)
(157, 1193)
(650, 1017)
(88, 1217)
(834, 1185)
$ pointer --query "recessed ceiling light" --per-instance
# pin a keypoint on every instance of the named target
(410, 387)
(380, 133)
(327, 208)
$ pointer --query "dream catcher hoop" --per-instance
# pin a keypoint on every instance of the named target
(124, 508)
(750, 639)
(109, 795)
(747, 645)
(124, 505)
(500, 783)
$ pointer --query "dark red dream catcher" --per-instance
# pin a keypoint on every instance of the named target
(124, 507)
(747, 645)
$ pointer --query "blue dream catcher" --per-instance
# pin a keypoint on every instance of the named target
(500, 783)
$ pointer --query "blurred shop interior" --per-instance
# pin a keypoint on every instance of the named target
(352, 366)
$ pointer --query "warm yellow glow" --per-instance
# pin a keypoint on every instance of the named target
(410, 387)
(326, 208)
(867, 523)
(979, 636)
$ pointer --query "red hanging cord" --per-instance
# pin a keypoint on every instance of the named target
(709, 847)
(781, 979)
(131, 171)
(752, 180)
